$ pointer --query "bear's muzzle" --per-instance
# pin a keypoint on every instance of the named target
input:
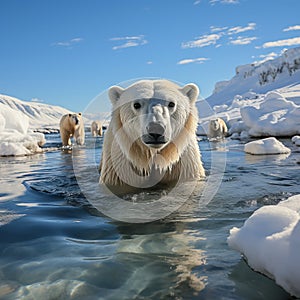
(155, 136)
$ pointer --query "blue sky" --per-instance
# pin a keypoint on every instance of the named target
(66, 52)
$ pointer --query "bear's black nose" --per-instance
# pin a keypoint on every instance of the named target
(155, 130)
(155, 134)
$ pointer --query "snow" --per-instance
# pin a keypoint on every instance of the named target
(15, 136)
(270, 242)
(266, 146)
(275, 116)
(13, 119)
(40, 115)
(18, 121)
(265, 115)
(261, 100)
(259, 78)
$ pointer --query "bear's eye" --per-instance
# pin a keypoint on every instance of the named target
(171, 104)
(137, 105)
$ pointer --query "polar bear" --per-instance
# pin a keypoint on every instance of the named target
(151, 138)
(72, 125)
(96, 128)
(217, 129)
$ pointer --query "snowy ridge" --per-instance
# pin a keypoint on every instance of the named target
(40, 115)
(259, 78)
(269, 70)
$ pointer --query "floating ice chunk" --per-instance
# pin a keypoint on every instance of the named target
(270, 241)
(266, 146)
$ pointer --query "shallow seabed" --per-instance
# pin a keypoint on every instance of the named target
(55, 245)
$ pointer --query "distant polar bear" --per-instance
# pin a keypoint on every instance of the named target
(96, 128)
(217, 129)
(71, 125)
(151, 138)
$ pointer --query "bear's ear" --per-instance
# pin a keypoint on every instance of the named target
(79, 114)
(70, 115)
(114, 93)
(191, 91)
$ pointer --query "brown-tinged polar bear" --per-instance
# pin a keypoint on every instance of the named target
(71, 125)
(96, 128)
(151, 138)
(217, 129)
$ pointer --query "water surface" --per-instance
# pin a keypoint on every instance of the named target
(55, 245)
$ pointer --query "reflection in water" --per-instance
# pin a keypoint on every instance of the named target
(254, 159)
(171, 254)
(55, 245)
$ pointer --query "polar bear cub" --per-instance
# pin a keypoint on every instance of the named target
(151, 138)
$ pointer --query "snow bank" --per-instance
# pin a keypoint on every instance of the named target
(266, 146)
(275, 116)
(270, 241)
(15, 136)
(13, 119)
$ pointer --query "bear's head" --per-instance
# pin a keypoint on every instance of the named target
(214, 124)
(154, 116)
(75, 119)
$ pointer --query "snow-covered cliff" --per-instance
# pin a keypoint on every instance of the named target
(259, 78)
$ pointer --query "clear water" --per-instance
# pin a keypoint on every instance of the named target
(55, 245)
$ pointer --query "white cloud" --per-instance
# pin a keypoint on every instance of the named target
(243, 40)
(126, 45)
(212, 2)
(124, 38)
(290, 28)
(239, 29)
(197, 2)
(149, 62)
(76, 40)
(68, 43)
(199, 60)
(129, 41)
(221, 33)
(202, 41)
(217, 29)
(281, 43)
